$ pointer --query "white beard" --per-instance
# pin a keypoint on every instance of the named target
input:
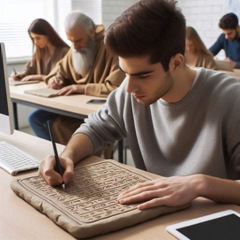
(83, 59)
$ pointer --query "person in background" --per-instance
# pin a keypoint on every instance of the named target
(181, 123)
(196, 53)
(88, 68)
(48, 48)
(229, 40)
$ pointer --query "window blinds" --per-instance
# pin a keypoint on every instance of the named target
(16, 16)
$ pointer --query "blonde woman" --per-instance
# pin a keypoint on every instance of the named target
(196, 53)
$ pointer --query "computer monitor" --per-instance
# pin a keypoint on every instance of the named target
(6, 114)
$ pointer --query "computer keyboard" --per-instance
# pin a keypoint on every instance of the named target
(14, 160)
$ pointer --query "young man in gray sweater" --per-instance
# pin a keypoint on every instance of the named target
(181, 123)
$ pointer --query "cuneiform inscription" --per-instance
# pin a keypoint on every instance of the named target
(93, 193)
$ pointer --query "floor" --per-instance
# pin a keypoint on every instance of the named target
(126, 154)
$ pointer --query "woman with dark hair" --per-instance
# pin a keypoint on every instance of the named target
(48, 49)
(196, 53)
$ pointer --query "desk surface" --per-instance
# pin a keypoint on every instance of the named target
(75, 104)
(235, 73)
(21, 221)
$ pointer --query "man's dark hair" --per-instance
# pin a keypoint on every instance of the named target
(154, 28)
(228, 21)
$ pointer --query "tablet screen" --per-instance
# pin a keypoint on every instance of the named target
(221, 226)
(97, 101)
(227, 227)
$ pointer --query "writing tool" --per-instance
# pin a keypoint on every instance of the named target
(58, 166)
(14, 70)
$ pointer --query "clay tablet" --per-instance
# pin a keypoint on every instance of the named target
(88, 205)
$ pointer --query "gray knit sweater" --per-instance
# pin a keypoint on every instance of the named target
(199, 134)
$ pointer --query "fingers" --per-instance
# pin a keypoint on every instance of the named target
(69, 170)
(140, 187)
(171, 191)
(47, 172)
(139, 193)
(26, 79)
(155, 202)
(55, 82)
(66, 91)
(16, 77)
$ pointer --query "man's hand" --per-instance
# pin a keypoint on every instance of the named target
(47, 172)
(172, 191)
(28, 78)
(74, 88)
(233, 64)
(55, 82)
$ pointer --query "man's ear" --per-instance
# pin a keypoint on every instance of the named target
(176, 62)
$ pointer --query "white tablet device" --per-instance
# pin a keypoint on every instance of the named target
(223, 225)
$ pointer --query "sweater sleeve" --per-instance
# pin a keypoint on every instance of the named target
(106, 125)
(31, 67)
(237, 65)
(63, 70)
(111, 82)
(217, 46)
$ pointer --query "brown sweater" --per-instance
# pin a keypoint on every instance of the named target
(46, 63)
(104, 76)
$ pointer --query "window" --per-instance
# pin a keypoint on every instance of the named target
(16, 16)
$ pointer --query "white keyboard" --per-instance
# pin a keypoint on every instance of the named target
(14, 160)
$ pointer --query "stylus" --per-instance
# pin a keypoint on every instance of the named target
(58, 167)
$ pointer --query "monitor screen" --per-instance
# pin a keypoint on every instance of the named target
(6, 115)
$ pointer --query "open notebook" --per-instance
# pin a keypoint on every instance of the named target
(88, 206)
(13, 82)
(43, 92)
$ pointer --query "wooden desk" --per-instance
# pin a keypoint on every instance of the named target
(18, 220)
(73, 105)
(234, 74)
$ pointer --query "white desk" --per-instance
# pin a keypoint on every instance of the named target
(234, 74)
(73, 105)
(20, 221)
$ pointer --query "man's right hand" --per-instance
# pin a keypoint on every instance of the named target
(55, 82)
(47, 172)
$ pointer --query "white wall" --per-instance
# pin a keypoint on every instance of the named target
(111, 9)
(204, 16)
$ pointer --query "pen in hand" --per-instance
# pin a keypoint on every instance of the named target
(58, 166)
(14, 70)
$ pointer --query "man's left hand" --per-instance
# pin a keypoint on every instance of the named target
(172, 191)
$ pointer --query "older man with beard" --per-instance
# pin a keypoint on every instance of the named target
(88, 68)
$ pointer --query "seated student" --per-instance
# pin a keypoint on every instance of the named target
(49, 48)
(229, 40)
(196, 54)
(181, 123)
(88, 68)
